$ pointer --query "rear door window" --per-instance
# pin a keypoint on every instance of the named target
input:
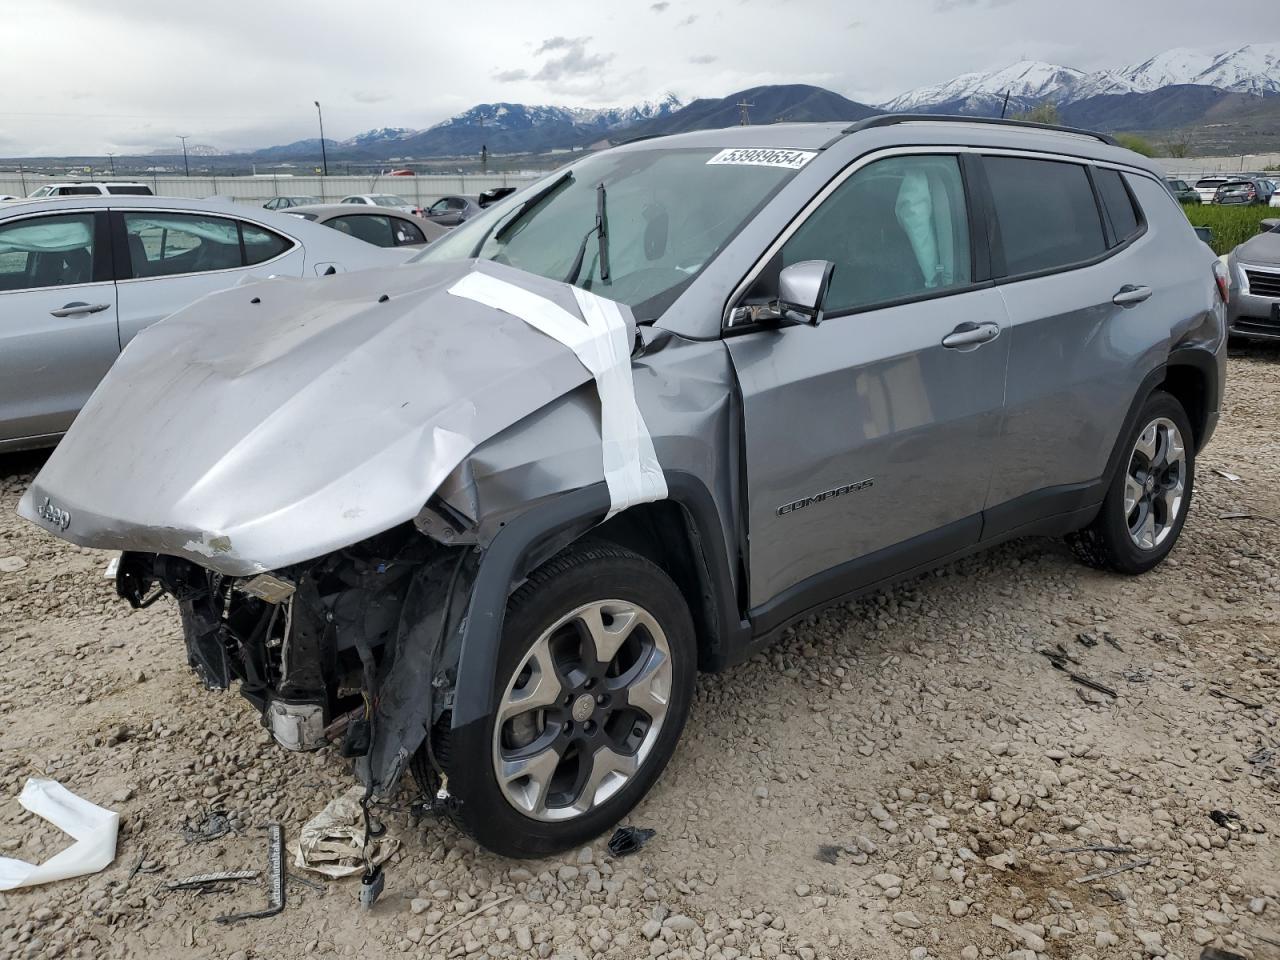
(130, 191)
(168, 244)
(1126, 222)
(1047, 215)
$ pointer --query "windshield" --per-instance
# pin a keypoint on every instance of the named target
(668, 213)
(42, 192)
(387, 200)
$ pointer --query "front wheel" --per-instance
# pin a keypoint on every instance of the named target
(594, 681)
(1148, 499)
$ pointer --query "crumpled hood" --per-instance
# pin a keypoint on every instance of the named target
(1264, 250)
(278, 421)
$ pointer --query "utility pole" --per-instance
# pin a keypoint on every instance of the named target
(743, 107)
(324, 157)
(1006, 105)
(111, 159)
(186, 167)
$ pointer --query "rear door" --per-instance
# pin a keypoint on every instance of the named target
(57, 319)
(1078, 284)
(870, 437)
(169, 259)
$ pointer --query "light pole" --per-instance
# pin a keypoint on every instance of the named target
(185, 165)
(111, 159)
(324, 159)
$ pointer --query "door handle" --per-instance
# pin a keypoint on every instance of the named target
(971, 335)
(1130, 295)
(78, 308)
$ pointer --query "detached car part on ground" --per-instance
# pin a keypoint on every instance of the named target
(483, 516)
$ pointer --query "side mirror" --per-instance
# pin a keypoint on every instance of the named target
(802, 290)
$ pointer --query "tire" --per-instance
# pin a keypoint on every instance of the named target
(576, 763)
(1140, 519)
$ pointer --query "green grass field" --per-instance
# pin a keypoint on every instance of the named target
(1231, 226)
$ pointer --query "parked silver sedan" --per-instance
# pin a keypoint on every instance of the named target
(381, 226)
(79, 276)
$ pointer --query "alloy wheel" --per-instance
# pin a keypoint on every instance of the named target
(1155, 484)
(582, 711)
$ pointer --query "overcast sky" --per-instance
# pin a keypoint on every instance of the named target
(88, 77)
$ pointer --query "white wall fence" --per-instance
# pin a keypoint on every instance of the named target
(420, 190)
(1189, 167)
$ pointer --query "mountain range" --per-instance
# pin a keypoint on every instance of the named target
(1176, 89)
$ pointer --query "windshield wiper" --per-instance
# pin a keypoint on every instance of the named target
(525, 206)
(601, 230)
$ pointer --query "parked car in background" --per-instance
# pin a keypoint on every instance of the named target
(391, 506)
(91, 189)
(1275, 199)
(381, 226)
(489, 197)
(1246, 192)
(80, 276)
(1182, 191)
(389, 200)
(1254, 268)
(451, 211)
(286, 203)
(1207, 187)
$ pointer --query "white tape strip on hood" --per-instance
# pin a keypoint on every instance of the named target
(631, 468)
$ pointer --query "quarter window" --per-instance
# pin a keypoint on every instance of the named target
(898, 228)
(407, 232)
(46, 252)
(261, 245)
(1047, 213)
(1125, 223)
(371, 229)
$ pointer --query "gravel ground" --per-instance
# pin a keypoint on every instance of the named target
(899, 777)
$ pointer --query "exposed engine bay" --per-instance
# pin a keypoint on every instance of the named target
(312, 644)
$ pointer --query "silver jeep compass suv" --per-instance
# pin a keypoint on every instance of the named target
(485, 515)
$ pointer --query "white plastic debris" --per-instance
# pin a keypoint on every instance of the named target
(332, 841)
(93, 828)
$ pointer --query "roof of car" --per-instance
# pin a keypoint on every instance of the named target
(124, 201)
(346, 209)
(905, 129)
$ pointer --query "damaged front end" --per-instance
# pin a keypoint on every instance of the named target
(312, 644)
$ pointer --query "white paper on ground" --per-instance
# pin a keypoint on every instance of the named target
(631, 468)
(332, 842)
(92, 827)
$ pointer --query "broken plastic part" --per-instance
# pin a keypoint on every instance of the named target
(371, 884)
(275, 879)
(627, 840)
(268, 587)
(93, 828)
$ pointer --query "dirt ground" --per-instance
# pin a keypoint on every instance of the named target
(899, 777)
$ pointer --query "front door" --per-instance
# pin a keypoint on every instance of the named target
(58, 331)
(872, 434)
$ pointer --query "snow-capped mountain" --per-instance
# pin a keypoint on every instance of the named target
(1026, 79)
(1253, 68)
(520, 116)
(378, 135)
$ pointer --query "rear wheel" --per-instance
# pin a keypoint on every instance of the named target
(1146, 504)
(594, 681)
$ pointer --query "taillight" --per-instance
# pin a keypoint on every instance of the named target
(1223, 279)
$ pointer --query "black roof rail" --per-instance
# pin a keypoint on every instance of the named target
(889, 119)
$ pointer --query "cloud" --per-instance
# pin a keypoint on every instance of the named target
(573, 63)
(703, 58)
(688, 21)
(370, 96)
(660, 6)
(560, 43)
(946, 6)
(511, 76)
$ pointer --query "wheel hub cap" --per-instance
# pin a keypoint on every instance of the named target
(583, 710)
(1155, 483)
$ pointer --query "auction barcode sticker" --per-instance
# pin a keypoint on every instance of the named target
(764, 157)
